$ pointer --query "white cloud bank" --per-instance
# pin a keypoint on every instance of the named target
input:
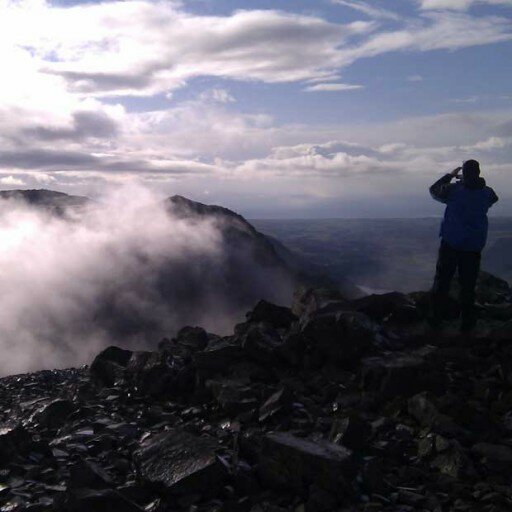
(62, 64)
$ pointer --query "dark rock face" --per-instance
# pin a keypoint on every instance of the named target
(180, 463)
(340, 406)
(287, 461)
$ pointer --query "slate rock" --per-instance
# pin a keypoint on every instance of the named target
(309, 300)
(154, 373)
(219, 355)
(455, 462)
(400, 375)
(338, 337)
(178, 463)
(109, 365)
(89, 500)
(278, 317)
(289, 462)
(194, 338)
(493, 452)
(13, 440)
(53, 414)
(278, 401)
(262, 342)
(352, 432)
(233, 396)
(380, 306)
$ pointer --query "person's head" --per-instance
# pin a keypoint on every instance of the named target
(470, 170)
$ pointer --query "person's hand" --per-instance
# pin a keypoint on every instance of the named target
(456, 171)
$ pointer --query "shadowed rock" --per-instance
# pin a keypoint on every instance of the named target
(179, 463)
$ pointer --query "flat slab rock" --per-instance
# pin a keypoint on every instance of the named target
(287, 461)
(179, 463)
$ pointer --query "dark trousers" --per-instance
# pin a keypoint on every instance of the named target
(467, 263)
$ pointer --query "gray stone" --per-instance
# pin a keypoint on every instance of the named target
(290, 462)
(178, 462)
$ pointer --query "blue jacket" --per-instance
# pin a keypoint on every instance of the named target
(465, 223)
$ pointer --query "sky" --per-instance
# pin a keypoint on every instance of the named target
(274, 108)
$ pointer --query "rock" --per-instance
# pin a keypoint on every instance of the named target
(193, 338)
(109, 365)
(289, 462)
(400, 375)
(88, 500)
(352, 432)
(54, 414)
(262, 343)
(218, 356)
(309, 300)
(157, 373)
(278, 401)
(491, 289)
(277, 316)
(380, 307)
(339, 337)
(427, 415)
(454, 462)
(234, 397)
(493, 452)
(180, 463)
(88, 475)
(13, 440)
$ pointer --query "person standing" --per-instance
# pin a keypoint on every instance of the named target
(463, 236)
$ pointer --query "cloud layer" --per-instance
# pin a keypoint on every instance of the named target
(65, 121)
(123, 271)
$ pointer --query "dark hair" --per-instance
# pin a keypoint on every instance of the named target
(470, 170)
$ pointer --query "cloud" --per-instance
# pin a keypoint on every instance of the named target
(217, 95)
(107, 52)
(459, 5)
(415, 78)
(368, 10)
(434, 31)
(123, 270)
(11, 181)
(332, 87)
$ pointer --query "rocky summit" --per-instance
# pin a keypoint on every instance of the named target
(331, 405)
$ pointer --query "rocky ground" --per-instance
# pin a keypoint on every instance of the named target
(333, 405)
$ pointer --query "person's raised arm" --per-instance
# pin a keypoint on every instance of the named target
(493, 197)
(440, 190)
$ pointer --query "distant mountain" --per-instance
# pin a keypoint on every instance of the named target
(179, 286)
(57, 202)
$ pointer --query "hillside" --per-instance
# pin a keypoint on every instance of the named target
(333, 405)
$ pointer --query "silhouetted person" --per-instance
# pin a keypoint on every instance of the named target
(463, 236)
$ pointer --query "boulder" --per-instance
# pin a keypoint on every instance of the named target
(218, 356)
(425, 412)
(341, 337)
(262, 342)
(178, 463)
(380, 306)
(454, 462)
(193, 338)
(13, 441)
(234, 397)
(351, 431)
(289, 462)
(109, 365)
(309, 300)
(87, 500)
(495, 454)
(278, 317)
(53, 414)
(278, 401)
(400, 375)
